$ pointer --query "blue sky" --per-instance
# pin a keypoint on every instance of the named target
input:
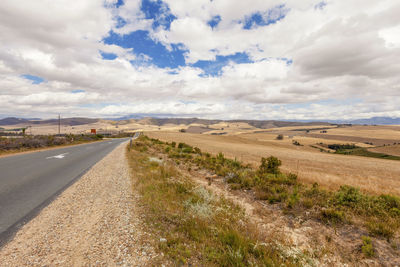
(34, 79)
(150, 51)
(308, 59)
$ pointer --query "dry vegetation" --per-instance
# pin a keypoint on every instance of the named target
(197, 227)
(327, 169)
(191, 225)
(390, 150)
(30, 143)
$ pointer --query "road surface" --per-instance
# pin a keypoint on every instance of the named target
(29, 182)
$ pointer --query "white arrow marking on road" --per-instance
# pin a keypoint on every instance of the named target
(58, 156)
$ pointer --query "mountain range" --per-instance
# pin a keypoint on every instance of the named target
(262, 124)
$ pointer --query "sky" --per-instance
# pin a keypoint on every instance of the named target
(224, 59)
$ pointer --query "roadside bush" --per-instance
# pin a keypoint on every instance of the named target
(379, 228)
(269, 165)
(348, 196)
(279, 137)
(332, 216)
(292, 200)
(391, 202)
(367, 248)
(187, 150)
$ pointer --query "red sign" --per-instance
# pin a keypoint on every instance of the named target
(93, 131)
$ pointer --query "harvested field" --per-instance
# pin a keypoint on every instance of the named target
(197, 129)
(329, 170)
(355, 139)
(391, 132)
(393, 150)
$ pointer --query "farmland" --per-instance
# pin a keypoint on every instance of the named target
(330, 170)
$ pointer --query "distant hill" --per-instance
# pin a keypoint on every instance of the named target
(255, 123)
(149, 120)
(276, 124)
(12, 121)
(377, 121)
(66, 121)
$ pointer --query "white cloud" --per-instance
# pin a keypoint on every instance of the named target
(346, 53)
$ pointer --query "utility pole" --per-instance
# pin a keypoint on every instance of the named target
(59, 124)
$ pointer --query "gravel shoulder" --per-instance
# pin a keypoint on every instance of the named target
(93, 223)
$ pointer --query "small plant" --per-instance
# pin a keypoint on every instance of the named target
(378, 228)
(197, 150)
(348, 195)
(292, 200)
(332, 216)
(367, 247)
(279, 137)
(269, 165)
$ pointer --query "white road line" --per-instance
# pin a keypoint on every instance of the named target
(58, 156)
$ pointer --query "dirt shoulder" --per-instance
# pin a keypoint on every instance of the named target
(94, 222)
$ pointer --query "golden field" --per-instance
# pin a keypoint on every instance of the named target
(329, 170)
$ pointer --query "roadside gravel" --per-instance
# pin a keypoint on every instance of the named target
(93, 223)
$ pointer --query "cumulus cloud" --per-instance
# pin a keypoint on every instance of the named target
(312, 60)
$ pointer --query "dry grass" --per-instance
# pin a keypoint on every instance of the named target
(329, 170)
(390, 150)
(190, 225)
(379, 132)
(377, 216)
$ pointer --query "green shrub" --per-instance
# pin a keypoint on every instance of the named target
(341, 146)
(292, 200)
(390, 201)
(367, 247)
(348, 196)
(307, 203)
(220, 158)
(269, 165)
(332, 216)
(187, 150)
(379, 228)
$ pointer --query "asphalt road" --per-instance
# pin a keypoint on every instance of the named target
(29, 182)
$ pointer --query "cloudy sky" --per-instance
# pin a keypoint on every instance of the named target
(254, 59)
